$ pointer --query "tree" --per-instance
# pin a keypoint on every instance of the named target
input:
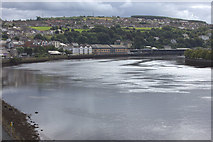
(38, 18)
(28, 50)
(20, 50)
(5, 36)
(39, 36)
(103, 38)
(85, 27)
(82, 39)
(17, 38)
(139, 42)
(61, 50)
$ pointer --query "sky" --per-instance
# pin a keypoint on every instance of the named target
(29, 10)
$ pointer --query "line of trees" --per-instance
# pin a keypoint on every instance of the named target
(199, 53)
(104, 35)
(38, 51)
(157, 37)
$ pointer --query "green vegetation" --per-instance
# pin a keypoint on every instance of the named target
(142, 29)
(99, 18)
(40, 58)
(149, 17)
(77, 18)
(41, 28)
(40, 37)
(80, 30)
(39, 51)
(162, 17)
(140, 37)
(5, 36)
(15, 60)
(63, 18)
(199, 53)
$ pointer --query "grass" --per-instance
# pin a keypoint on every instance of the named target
(48, 37)
(142, 29)
(41, 28)
(48, 28)
(81, 30)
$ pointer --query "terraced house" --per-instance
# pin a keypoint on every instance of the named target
(104, 49)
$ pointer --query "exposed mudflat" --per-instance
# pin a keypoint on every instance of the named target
(21, 128)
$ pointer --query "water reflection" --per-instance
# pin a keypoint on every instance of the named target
(113, 98)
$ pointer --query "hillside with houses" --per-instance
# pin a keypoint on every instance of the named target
(100, 35)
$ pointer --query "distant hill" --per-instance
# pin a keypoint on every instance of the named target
(163, 17)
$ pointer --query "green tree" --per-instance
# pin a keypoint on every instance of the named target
(38, 18)
(16, 38)
(40, 37)
(28, 50)
(82, 39)
(103, 38)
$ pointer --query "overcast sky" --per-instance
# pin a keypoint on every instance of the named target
(29, 10)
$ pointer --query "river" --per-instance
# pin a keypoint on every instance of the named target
(113, 99)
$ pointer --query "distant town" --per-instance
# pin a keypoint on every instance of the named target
(100, 35)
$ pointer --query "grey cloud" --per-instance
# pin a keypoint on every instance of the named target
(24, 10)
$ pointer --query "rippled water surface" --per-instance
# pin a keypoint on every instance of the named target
(102, 99)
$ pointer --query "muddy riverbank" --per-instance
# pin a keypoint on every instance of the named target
(17, 125)
(199, 62)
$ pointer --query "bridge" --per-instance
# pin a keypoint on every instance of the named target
(153, 52)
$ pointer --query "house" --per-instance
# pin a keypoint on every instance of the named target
(81, 50)
(3, 43)
(4, 53)
(56, 44)
(101, 49)
(54, 52)
(9, 44)
(13, 52)
(18, 43)
(204, 37)
(75, 50)
(90, 49)
(156, 38)
(75, 44)
(167, 47)
(173, 41)
(186, 36)
(119, 49)
(123, 43)
(86, 50)
(68, 47)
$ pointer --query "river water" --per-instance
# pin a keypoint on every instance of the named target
(113, 99)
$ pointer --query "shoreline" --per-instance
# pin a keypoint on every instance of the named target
(21, 129)
(18, 61)
(198, 62)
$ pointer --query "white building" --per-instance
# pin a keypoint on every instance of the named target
(54, 52)
(75, 50)
(81, 50)
(90, 49)
(86, 50)
(56, 44)
(204, 37)
(9, 44)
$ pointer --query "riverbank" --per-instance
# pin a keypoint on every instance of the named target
(17, 61)
(198, 62)
(20, 128)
